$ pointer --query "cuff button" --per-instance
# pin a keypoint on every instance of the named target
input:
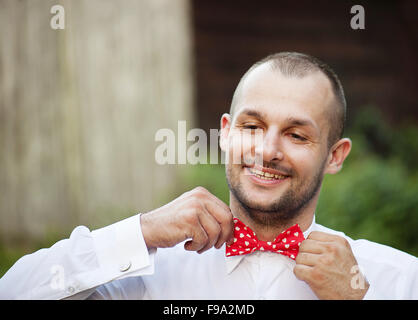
(124, 267)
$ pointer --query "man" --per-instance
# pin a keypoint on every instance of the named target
(265, 244)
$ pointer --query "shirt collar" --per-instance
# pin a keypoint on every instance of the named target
(232, 262)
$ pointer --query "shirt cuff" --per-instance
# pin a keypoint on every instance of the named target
(121, 250)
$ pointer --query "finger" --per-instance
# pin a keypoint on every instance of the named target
(212, 229)
(199, 239)
(302, 272)
(205, 194)
(307, 259)
(322, 236)
(312, 246)
(225, 214)
(220, 211)
(218, 201)
(225, 221)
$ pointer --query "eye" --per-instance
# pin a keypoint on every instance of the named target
(251, 127)
(297, 137)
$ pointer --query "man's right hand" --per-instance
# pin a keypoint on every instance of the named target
(196, 215)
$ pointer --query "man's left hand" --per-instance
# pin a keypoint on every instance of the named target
(327, 264)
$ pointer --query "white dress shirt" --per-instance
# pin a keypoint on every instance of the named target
(114, 263)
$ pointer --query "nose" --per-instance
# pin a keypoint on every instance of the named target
(270, 148)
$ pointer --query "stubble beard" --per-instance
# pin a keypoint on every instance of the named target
(282, 210)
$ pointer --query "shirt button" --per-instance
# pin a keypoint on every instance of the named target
(70, 289)
(124, 267)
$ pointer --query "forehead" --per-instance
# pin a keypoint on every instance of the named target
(279, 96)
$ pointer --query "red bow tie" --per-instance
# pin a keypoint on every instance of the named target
(245, 241)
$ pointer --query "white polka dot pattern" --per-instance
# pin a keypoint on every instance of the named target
(245, 241)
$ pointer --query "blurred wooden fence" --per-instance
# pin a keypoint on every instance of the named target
(79, 109)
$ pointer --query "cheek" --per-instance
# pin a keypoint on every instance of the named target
(240, 144)
(303, 159)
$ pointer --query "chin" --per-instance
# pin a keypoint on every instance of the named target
(261, 194)
(263, 200)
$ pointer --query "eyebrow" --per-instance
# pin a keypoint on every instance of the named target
(297, 122)
(252, 113)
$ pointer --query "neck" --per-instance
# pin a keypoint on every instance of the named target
(268, 232)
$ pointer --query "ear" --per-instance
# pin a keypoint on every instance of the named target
(339, 152)
(225, 127)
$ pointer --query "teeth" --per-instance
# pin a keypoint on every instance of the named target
(266, 175)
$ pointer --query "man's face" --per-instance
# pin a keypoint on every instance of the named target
(292, 115)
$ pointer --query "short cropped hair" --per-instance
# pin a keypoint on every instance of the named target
(295, 64)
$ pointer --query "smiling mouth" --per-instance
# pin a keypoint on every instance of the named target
(263, 174)
(266, 175)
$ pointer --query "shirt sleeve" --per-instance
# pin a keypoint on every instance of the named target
(76, 266)
(373, 294)
(411, 283)
(405, 287)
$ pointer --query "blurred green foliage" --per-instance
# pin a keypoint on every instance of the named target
(374, 197)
